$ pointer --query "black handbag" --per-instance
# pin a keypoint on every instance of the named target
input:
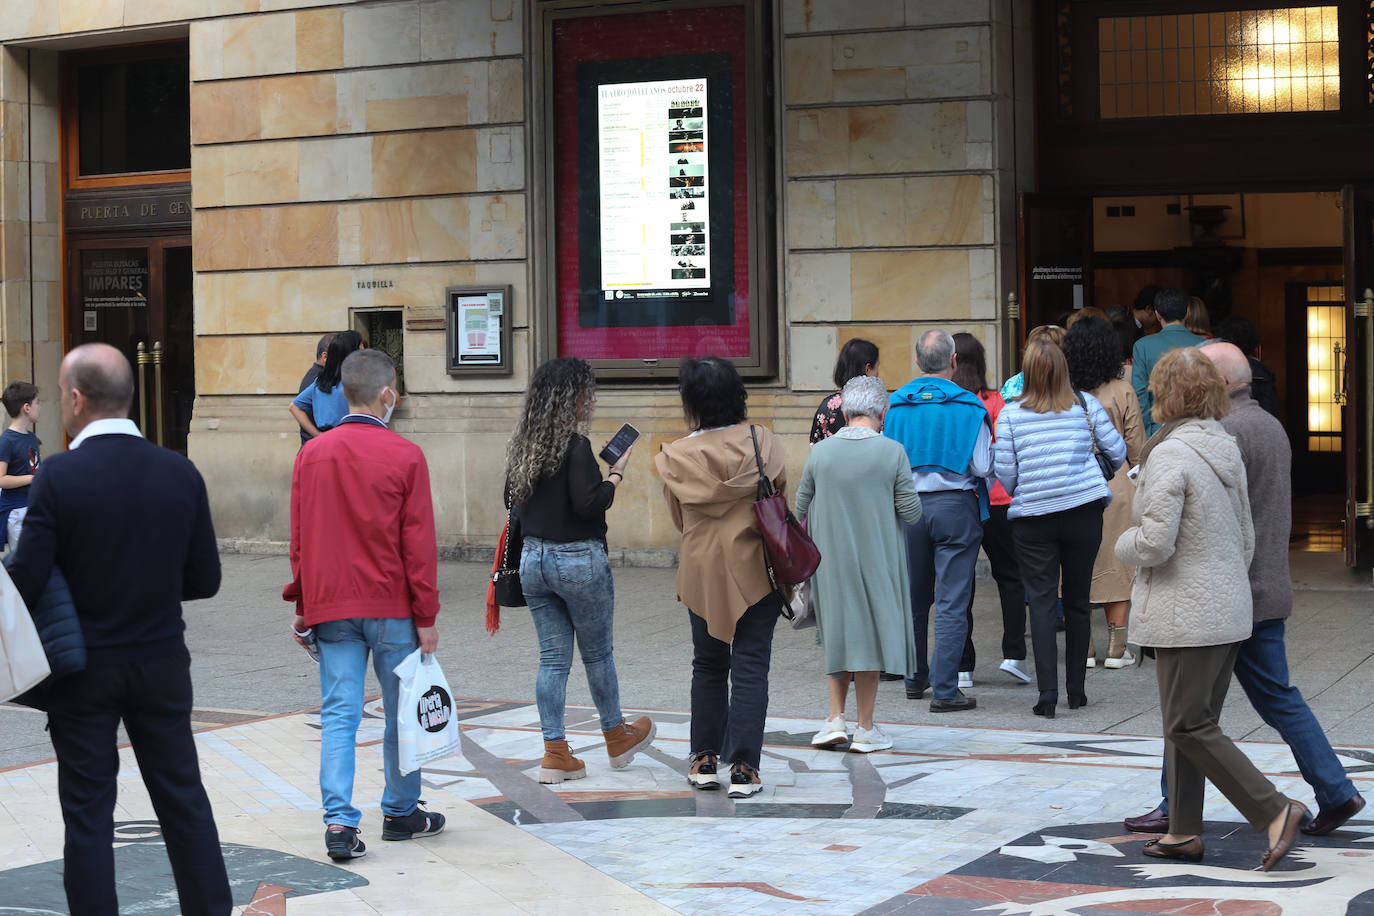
(1104, 464)
(506, 577)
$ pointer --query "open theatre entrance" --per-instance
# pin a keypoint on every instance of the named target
(1276, 260)
(126, 150)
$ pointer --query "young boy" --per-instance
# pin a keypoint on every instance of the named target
(18, 452)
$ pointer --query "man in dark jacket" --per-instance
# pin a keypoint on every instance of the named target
(1243, 333)
(129, 524)
(1262, 665)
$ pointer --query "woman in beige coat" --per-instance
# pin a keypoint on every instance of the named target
(711, 480)
(1193, 541)
(1093, 351)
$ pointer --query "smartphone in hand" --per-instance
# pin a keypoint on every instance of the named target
(619, 443)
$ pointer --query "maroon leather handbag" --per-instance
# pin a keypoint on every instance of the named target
(792, 555)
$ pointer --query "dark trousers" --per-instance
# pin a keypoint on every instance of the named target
(1058, 550)
(730, 685)
(1000, 549)
(942, 557)
(153, 698)
(1192, 688)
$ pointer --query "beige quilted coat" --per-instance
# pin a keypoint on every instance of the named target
(1193, 540)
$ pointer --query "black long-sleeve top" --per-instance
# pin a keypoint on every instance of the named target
(571, 503)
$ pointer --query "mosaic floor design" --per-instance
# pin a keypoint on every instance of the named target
(951, 820)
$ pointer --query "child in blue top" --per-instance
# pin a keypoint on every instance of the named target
(322, 405)
(18, 451)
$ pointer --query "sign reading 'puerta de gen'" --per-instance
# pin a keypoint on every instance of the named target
(142, 210)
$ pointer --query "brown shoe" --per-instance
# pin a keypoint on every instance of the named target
(628, 739)
(1293, 818)
(559, 764)
(1187, 851)
(1154, 822)
(1329, 819)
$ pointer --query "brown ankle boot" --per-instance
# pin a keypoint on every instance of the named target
(627, 739)
(559, 763)
(1117, 656)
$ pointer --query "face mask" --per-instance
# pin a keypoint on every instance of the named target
(386, 417)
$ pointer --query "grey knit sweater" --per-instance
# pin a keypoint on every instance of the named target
(1268, 462)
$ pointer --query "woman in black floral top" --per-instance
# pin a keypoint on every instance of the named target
(857, 357)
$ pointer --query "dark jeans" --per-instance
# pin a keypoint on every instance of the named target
(730, 685)
(1058, 550)
(942, 554)
(1000, 549)
(1262, 669)
(154, 700)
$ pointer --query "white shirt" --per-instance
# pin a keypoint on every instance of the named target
(111, 426)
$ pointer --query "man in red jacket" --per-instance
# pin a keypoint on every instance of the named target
(364, 563)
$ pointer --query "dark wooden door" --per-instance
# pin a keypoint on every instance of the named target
(1358, 374)
(1054, 257)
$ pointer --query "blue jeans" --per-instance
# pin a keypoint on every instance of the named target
(1262, 669)
(942, 553)
(344, 645)
(569, 590)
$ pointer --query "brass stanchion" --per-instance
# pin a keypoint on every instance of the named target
(157, 393)
(142, 360)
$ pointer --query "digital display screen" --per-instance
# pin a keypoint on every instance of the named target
(654, 189)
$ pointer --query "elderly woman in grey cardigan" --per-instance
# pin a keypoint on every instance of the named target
(1193, 541)
(855, 493)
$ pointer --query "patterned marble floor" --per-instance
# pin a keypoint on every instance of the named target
(951, 820)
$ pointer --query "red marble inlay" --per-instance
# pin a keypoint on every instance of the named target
(1011, 890)
(759, 886)
(840, 847)
(574, 796)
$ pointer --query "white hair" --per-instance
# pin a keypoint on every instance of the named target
(864, 396)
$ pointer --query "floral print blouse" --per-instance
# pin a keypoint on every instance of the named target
(829, 419)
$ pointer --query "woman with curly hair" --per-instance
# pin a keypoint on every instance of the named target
(1093, 349)
(560, 500)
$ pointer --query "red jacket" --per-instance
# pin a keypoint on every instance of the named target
(362, 528)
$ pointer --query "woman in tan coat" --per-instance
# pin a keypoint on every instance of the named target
(1093, 351)
(711, 480)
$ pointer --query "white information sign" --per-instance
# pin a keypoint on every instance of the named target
(479, 330)
(654, 188)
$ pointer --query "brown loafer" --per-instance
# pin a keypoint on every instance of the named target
(1187, 851)
(1329, 819)
(1292, 820)
(1154, 822)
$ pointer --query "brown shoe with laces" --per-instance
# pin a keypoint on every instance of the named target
(628, 739)
(559, 764)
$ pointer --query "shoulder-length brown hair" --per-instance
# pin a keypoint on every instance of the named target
(1186, 385)
(1046, 374)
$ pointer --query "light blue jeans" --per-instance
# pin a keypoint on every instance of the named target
(344, 645)
(569, 590)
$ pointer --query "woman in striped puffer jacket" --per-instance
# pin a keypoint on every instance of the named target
(1043, 456)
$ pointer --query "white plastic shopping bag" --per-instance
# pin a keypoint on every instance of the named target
(23, 663)
(426, 722)
(15, 524)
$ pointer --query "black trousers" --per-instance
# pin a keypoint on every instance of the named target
(730, 685)
(1000, 549)
(1058, 550)
(153, 698)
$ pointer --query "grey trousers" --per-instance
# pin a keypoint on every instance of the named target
(1192, 688)
(942, 552)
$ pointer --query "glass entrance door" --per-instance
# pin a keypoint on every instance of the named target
(136, 296)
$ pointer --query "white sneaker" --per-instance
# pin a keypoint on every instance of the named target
(833, 734)
(1126, 659)
(1013, 667)
(1092, 662)
(965, 679)
(868, 740)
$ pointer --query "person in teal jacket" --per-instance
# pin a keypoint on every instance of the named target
(947, 434)
(1171, 305)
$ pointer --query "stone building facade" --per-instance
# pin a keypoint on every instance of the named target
(354, 156)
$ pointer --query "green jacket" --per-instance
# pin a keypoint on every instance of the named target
(1146, 353)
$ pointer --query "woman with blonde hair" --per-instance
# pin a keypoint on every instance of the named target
(1011, 388)
(1197, 319)
(1193, 541)
(1044, 457)
(555, 487)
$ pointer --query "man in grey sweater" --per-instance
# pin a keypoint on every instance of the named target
(1262, 665)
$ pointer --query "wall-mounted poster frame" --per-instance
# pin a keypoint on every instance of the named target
(478, 320)
(627, 278)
